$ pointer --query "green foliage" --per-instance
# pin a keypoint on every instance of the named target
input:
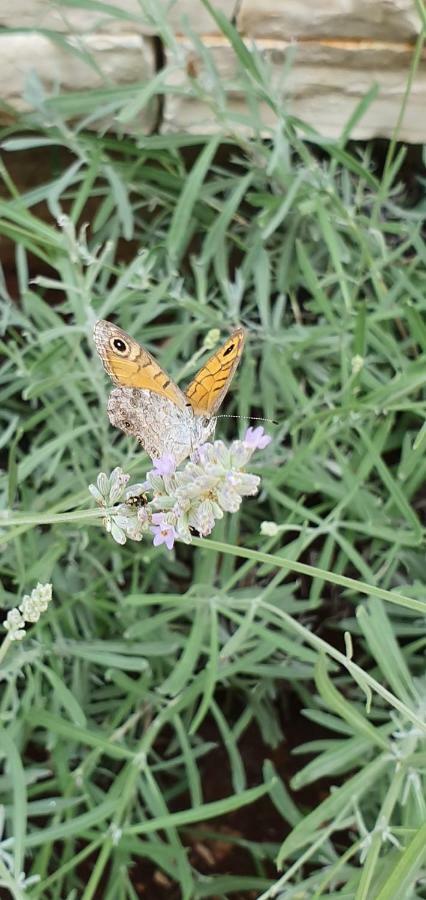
(147, 664)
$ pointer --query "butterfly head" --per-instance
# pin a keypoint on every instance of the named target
(202, 428)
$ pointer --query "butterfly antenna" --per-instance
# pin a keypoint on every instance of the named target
(249, 418)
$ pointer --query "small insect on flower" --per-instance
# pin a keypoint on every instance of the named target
(123, 521)
(137, 500)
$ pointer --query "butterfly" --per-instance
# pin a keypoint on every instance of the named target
(147, 403)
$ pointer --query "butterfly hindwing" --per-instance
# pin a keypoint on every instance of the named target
(207, 390)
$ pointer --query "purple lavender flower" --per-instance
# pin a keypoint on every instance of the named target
(165, 464)
(256, 439)
(163, 531)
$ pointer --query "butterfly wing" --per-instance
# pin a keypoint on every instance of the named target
(211, 383)
(131, 366)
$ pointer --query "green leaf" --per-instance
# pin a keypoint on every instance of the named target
(343, 708)
(65, 697)
(180, 226)
(403, 877)
(16, 772)
(340, 800)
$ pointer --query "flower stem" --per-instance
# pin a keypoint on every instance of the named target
(280, 562)
(4, 646)
(8, 519)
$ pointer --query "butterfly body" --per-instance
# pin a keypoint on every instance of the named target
(147, 403)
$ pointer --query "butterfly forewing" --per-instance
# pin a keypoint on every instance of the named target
(211, 383)
(130, 365)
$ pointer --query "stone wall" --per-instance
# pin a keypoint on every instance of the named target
(320, 59)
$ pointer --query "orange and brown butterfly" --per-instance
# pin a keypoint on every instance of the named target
(150, 406)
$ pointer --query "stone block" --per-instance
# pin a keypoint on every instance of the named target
(382, 20)
(58, 16)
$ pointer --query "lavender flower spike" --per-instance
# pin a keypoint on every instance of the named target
(174, 500)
